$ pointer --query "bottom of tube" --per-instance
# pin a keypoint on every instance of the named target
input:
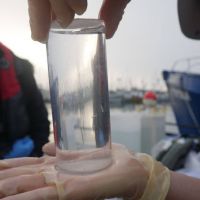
(81, 167)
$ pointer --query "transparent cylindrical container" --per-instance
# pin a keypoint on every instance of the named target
(79, 96)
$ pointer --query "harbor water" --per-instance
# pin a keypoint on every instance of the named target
(127, 126)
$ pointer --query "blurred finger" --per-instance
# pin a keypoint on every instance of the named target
(46, 193)
(64, 14)
(49, 149)
(20, 184)
(79, 6)
(3, 165)
(17, 162)
(40, 19)
(111, 12)
(12, 172)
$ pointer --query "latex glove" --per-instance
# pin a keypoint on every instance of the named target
(132, 176)
(22, 147)
(49, 149)
(42, 12)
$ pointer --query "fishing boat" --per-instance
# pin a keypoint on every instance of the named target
(184, 93)
(181, 152)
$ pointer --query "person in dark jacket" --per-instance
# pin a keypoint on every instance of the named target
(24, 125)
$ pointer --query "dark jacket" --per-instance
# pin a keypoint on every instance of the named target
(23, 113)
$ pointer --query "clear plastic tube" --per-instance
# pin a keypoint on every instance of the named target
(79, 96)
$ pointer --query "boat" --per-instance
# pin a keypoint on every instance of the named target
(177, 150)
(184, 94)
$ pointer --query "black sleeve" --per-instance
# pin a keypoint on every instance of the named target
(37, 112)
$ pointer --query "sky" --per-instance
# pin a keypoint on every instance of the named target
(148, 41)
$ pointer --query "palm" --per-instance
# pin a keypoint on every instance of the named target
(113, 181)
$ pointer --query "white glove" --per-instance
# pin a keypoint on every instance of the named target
(132, 176)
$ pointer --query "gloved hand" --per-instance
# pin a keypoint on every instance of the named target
(21, 148)
(49, 149)
(42, 12)
(133, 176)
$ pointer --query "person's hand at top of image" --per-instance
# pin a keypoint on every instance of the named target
(43, 12)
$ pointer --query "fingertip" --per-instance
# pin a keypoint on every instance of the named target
(39, 19)
(42, 38)
(65, 21)
(79, 6)
(110, 28)
(4, 165)
(49, 149)
(109, 35)
(63, 13)
(81, 10)
(111, 13)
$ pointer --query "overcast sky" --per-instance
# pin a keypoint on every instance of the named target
(148, 40)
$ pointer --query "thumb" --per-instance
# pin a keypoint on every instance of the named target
(49, 149)
(111, 12)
